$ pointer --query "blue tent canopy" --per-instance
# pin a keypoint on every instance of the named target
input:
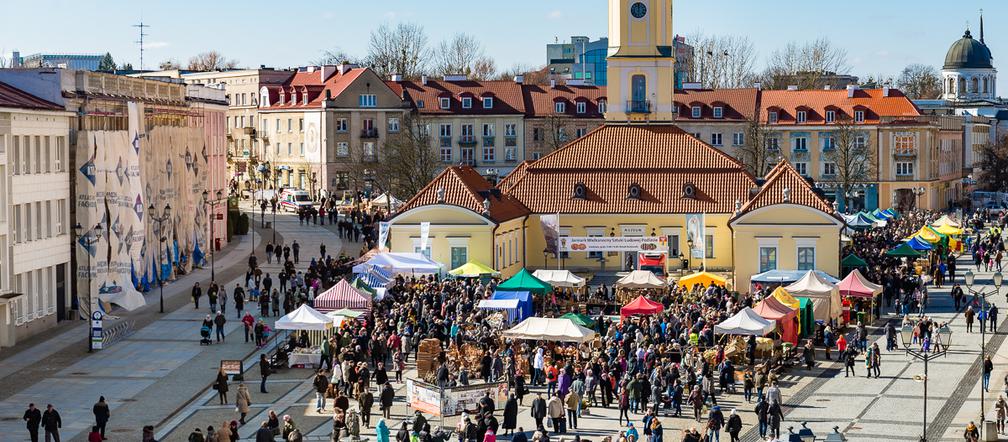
(782, 277)
(881, 214)
(917, 243)
(524, 309)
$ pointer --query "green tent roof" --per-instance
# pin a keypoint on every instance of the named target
(579, 319)
(853, 260)
(904, 250)
(359, 284)
(523, 281)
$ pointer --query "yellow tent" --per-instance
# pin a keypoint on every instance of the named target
(945, 229)
(472, 269)
(926, 234)
(785, 298)
(704, 278)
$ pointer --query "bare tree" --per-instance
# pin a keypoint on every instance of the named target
(516, 70)
(722, 61)
(409, 160)
(804, 64)
(335, 57)
(761, 148)
(210, 61)
(168, 65)
(851, 155)
(992, 163)
(920, 81)
(399, 50)
(463, 55)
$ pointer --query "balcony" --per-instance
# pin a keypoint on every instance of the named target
(638, 106)
(369, 133)
(467, 141)
(488, 141)
(510, 140)
(800, 154)
(251, 131)
(905, 153)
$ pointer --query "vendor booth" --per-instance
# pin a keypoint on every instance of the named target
(640, 279)
(522, 310)
(856, 289)
(641, 306)
(853, 261)
(803, 308)
(342, 295)
(904, 250)
(523, 281)
(776, 277)
(559, 278)
(919, 244)
(316, 324)
(509, 306)
(550, 329)
(785, 317)
(745, 322)
(579, 319)
(702, 278)
(946, 221)
(400, 263)
(472, 269)
(823, 292)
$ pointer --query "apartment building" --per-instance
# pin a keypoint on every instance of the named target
(34, 214)
(472, 122)
(323, 129)
(719, 117)
(557, 114)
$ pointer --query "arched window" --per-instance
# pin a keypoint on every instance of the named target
(975, 86)
(962, 86)
(950, 88)
(985, 82)
(638, 93)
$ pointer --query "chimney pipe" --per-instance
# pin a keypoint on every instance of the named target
(423, 80)
(519, 79)
(850, 90)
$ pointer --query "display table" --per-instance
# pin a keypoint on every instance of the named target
(299, 358)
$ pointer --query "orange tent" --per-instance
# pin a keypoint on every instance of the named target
(787, 318)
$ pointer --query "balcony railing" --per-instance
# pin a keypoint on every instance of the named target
(369, 133)
(800, 154)
(489, 140)
(467, 140)
(510, 140)
(905, 153)
(638, 106)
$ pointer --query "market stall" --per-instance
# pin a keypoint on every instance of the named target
(702, 278)
(472, 269)
(508, 306)
(785, 317)
(579, 319)
(856, 289)
(803, 308)
(820, 290)
(523, 281)
(316, 324)
(919, 244)
(523, 309)
(559, 278)
(550, 329)
(904, 250)
(400, 263)
(777, 277)
(745, 322)
(853, 261)
(640, 279)
(946, 221)
(342, 295)
(641, 306)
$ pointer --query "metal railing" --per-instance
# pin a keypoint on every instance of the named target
(638, 106)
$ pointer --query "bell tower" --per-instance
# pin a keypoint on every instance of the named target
(641, 61)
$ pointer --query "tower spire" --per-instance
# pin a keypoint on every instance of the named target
(981, 26)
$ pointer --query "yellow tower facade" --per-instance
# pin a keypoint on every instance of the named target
(641, 61)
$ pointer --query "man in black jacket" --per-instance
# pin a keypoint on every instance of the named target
(51, 422)
(197, 293)
(32, 418)
(538, 410)
(387, 396)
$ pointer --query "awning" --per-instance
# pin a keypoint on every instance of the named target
(559, 278)
(640, 279)
(904, 249)
(396, 263)
(550, 329)
(778, 276)
(523, 281)
(703, 278)
(641, 306)
(579, 319)
(304, 318)
(745, 322)
(918, 244)
(855, 284)
(947, 221)
(342, 295)
(824, 292)
(498, 304)
(472, 269)
(852, 261)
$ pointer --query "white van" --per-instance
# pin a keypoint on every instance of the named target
(294, 200)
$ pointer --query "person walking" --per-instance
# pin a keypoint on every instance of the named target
(243, 400)
(386, 398)
(51, 423)
(366, 401)
(875, 360)
(762, 417)
(734, 425)
(264, 371)
(538, 410)
(212, 296)
(510, 414)
(101, 413)
(555, 407)
(219, 322)
(988, 367)
(1002, 412)
(992, 312)
(269, 252)
(573, 402)
(296, 249)
(715, 420)
(32, 417)
(197, 293)
(221, 385)
(321, 384)
(849, 359)
(968, 315)
(239, 299)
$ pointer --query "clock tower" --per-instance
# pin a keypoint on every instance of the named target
(641, 61)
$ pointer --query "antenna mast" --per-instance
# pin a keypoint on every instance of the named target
(140, 26)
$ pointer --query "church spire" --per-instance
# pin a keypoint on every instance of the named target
(981, 26)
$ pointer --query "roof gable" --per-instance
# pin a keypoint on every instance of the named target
(464, 187)
(784, 185)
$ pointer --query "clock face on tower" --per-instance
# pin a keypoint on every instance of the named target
(638, 10)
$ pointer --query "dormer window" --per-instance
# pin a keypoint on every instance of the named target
(802, 116)
(444, 102)
(293, 98)
(264, 101)
(601, 106)
(830, 116)
(560, 107)
(582, 107)
(859, 116)
(487, 102)
(283, 98)
(772, 117)
(696, 112)
(466, 102)
(718, 112)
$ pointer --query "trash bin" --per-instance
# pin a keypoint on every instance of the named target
(989, 431)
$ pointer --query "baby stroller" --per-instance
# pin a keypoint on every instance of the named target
(204, 335)
(279, 358)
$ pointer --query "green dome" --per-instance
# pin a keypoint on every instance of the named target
(968, 53)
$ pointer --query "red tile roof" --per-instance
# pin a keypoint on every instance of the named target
(817, 102)
(737, 104)
(12, 97)
(516, 174)
(540, 101)
(799, 191)
(465, 187)
(661, 159)
(507, 96)
(310, 83)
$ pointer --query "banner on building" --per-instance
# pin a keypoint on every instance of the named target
(424, 235)
(650, 244)
(551, 232)
(313, 137)
(383, 230)
(696, 234)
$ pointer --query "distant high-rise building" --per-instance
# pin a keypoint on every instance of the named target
(581, 59)
(84, 62)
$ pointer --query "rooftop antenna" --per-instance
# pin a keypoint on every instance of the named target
(140, 26)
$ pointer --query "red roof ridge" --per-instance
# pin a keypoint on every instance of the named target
(782, 170)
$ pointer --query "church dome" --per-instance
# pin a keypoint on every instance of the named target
(968, 53)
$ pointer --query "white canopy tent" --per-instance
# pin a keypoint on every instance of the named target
(559, 278)
(640, 279)
(825, 295)
(550, 329)
(745, 322)
(385, 199)
(304, 318)
(400, 263)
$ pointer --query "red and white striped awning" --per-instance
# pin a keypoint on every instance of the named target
(342, 295)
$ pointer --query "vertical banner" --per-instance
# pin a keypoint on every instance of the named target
(383, 230)
(695, 233)
(551, 232)
(424, 236)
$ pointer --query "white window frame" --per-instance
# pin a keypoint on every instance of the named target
(487, 102)
(559, 107)
(342, 149)
(859, 116)
(368, 100)
(738, 138)
(801, 167)
(806, 243)
(718, 112)
(393, 125)
(416, 247)
(830, 116)
(904, 168)
(801, 117)
(466, 102)
(601, 106)
(803, 142)
(826, 166)
(444, 102)
(716, 139)
(772, 117)
(767, 243)
(582, 107)
(695, 111)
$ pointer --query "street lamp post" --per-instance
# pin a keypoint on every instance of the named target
(944, 340)
(213, 239)
(97, 237)
(689, 256)
(998, 279)
(160, 221)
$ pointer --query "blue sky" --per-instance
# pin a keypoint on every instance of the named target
(881, 37)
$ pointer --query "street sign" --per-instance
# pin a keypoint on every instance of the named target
(97, 332)
(231, 366)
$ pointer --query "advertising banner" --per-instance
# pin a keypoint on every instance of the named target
(424, 235)
(313, 137)
(459, 399)
(695, 233)
(653, 244)
(423, 397)
(383, 229)
(551, 232)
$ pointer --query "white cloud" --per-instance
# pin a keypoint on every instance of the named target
(156, 44)
(555, 14)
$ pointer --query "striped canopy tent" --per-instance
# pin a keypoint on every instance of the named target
(376, 277)
(342, 295)
(892, 212)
